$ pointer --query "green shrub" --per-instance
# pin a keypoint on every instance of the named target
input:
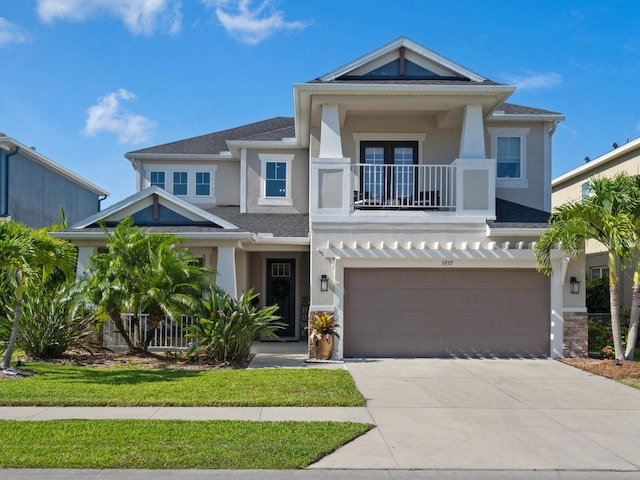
(597, 295)
(226, 327)
(601, 338)
(53, 320)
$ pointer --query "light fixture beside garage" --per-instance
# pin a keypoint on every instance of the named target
(324, 283)
(575, 285)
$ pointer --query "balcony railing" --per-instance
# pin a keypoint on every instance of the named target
(426, 187)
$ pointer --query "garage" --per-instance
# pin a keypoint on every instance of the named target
(413, 312)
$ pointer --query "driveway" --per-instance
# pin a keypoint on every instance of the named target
(491, 415)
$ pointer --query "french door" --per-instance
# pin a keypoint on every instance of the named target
(387, 174)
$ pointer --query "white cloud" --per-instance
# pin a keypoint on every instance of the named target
(108, 115)
(530, 80)
(140, 16)
(12, 33)
(250, 24)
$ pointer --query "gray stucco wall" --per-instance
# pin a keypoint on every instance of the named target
(36, 194)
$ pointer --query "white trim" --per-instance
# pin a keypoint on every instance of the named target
(243, 180)
(138, 197)
(597, 162)
(575, 309)
(359, 137)
(266, 158)
(521, 133)
(410, 45)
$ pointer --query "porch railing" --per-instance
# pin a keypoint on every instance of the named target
(170, 334)
(430, 187)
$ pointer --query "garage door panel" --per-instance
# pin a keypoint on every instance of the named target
(443, 312)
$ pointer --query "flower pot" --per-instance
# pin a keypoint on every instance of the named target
(324, 347)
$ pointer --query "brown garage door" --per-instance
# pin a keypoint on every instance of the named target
(445, 312)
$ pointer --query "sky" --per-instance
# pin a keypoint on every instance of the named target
(85, 81)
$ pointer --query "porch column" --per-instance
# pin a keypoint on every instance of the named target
(330, 140)
(83, 257)
(226, 270)
(472, 140)
(557, 307)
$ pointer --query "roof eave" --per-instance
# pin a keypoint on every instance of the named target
(54, 166)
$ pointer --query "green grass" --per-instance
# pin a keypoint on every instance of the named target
(57, 385)
(164, 444)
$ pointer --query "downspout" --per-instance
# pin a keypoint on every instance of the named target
(104, 197)
(5, 189)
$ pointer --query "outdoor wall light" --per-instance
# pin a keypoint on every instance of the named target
(324, 283)
(575, 285)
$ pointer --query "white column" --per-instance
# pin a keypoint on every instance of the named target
(330, 139)
(557, 308)
(243, 180)
(472, 139)
(226, 270)
(83, 257)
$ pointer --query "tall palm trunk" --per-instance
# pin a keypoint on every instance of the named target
(17, 312)
(632, 337)
(615, 307)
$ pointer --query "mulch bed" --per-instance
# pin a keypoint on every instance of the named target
(605, 367)
(113, 359)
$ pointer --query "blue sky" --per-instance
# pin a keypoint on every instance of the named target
(85, 81)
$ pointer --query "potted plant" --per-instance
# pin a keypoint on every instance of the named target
(321, 333)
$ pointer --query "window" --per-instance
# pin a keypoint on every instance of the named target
(157, 179)
(509, 157)
(203, 183)
(598, 272)
(276, 179)
(586, 188)
(509, 148)
(179, 183)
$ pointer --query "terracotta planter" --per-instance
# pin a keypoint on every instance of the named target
(324, 347)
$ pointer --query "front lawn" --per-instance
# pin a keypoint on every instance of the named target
(63, 385)
(171, 444)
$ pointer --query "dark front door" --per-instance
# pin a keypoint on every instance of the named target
(281, 291)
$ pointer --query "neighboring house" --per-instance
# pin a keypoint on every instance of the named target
(574, 185)
(34, 187)
(404, 195)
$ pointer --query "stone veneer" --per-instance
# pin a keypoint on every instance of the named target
(576, 334)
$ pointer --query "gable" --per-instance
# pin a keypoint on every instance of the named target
(160, 215)
(402, 59)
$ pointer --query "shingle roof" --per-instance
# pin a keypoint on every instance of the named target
(513, 109)
(511, 214)
(216, 142)
(279, 224)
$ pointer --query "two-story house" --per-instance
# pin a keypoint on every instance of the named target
(405, 195)
(33, 188)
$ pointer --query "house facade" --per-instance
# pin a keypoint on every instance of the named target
(33, 188)
(405, 196)
(574, 185)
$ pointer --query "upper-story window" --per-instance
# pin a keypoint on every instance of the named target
(180, 183)
(599, 272)
(585, 189)
(203, 183)
(509, 148)
(276, 179)
(157, 179)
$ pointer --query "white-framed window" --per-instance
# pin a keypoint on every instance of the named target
(509, 148)
(276, 177)
(599, 272)
(203, 183)
(157, 179)
(180, 183)
(585, 189)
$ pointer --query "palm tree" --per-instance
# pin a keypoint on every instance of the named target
(29, 257)
(604, 216)
(143, 272)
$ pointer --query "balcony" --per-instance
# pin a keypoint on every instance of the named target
(464, 189)
(405, 187)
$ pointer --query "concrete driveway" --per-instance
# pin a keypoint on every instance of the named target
(493, 415)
